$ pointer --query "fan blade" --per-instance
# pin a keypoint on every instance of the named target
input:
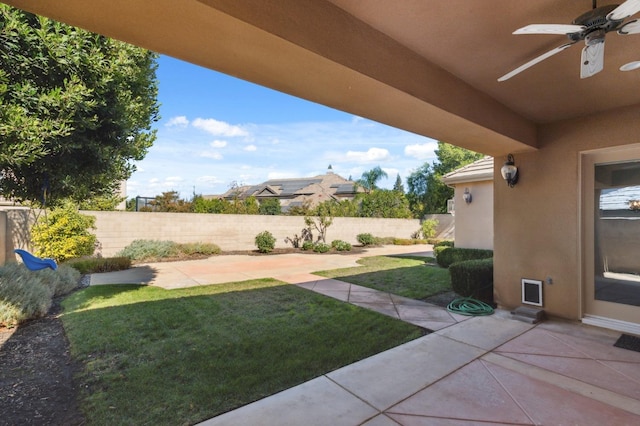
(549, 29)
(626, 9)
(535, 61)
(631, 27)
(592, 60)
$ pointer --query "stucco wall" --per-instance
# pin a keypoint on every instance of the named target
(474, 221)
(115, 230)
(537, 223)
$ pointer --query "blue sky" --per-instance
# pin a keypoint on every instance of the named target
(216, 129)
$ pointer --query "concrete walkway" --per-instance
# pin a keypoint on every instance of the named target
(479, 370)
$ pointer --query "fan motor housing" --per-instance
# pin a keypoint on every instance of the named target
(594, 20)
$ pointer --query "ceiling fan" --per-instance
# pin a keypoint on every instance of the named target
(590, 27)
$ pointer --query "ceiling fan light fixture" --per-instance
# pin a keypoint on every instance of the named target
(631, 66)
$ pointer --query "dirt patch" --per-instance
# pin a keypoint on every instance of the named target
(36, 374)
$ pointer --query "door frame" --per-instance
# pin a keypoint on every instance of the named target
(597, 312)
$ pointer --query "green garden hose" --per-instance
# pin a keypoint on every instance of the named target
(469, 306)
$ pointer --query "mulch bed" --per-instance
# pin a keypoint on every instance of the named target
(36, 374)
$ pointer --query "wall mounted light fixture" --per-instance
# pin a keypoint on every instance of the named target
(510, 171)
(466, 196)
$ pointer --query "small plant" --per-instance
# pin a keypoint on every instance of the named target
(340, 245)
(305, 235)
(321, 247)
(428, 228)
(366, 239)
(265, 242)
(307, 245)
(63, 234)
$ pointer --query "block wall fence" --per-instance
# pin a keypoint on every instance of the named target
(115, 230)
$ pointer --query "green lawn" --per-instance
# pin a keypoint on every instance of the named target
(153, 356)
(409, 276)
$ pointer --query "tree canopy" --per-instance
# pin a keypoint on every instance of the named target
(427, 193)
(370, 178)
(76, 109)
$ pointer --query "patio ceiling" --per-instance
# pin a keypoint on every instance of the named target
(430, 67)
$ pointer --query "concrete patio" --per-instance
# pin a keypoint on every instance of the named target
(470, 370)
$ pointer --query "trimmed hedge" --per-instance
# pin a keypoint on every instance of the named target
(445, 256)
(473, 278)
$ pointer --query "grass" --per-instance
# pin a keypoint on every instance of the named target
(409, 276)
(153, 356)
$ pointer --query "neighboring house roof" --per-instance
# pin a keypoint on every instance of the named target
(294, 192)
(478, 171)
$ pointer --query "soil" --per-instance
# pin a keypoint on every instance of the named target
(36, 374)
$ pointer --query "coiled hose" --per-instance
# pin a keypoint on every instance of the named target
(469, 306)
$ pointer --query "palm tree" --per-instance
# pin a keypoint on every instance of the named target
(369, 179)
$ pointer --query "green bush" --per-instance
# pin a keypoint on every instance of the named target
(207, 249)
(265, 242)
(340, 245)
(443, 243)
(321, 247)
(307, 245)
(407, 241)
(473, 278)
(63, 234)
(428, 228)
(26, 294)
(92, 265)
(445, 256)
(140, 250)
(366, 239)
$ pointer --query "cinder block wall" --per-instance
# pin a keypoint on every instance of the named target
(117, 229)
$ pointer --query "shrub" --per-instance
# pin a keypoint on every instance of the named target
(140, 250)
(340, 245)
(407, 242)
(307, 245)
(199, 248)
(63, 234)
(366, 239)
(92, 265)
(265, 242)
(321, 247)
(26, 294)
(428, 228)
(445, 256)
(473, 278)
(443, 243)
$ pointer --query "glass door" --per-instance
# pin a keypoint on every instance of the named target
(611, 227)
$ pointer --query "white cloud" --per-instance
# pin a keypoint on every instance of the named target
(421, 151)
(372, 155)
(281, 175)
(209, 179)
(154, 180)
(179, 121)
(218, 144)
(174, 179)
(218, 128)
(250, 148)
(211, 154)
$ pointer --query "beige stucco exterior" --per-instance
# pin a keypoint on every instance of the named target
(474, 219)
(538, 223)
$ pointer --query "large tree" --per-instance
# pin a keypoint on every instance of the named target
(76, 109)
(427, 193)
